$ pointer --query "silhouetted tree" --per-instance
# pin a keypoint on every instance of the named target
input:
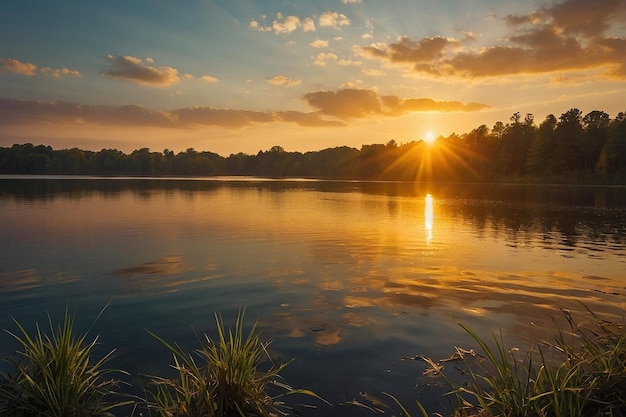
(612, 160)
(540, 155)
(568, 152)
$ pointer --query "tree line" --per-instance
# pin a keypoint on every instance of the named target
(572, 148)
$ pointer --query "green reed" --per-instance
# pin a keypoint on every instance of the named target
(581, 373)
(222, 378)
(55, 375)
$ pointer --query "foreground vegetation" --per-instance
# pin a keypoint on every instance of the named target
(581, 373)
(572, 149)
(56, 375)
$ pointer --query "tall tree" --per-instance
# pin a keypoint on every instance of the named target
(540, 154)
(568, 149)
(596, 132)
(612, 160)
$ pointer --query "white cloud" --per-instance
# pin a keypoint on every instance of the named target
(281, 80)
(285, 25)
(308, 25)
(351, 1)
(324, 57)
(318, 43)
(349, 62)
(208, 79)
(333, 19)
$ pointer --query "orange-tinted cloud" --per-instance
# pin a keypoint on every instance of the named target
(569, 36)
(360, 103)
(30, 70)
(134, 69)
(333, 108)
(17, 67)
(130, 68)
(24, 112)
(281, 80)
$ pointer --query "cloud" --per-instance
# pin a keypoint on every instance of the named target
(319, 43)
(281, 80)
(334, 20)
(25, 112)
(256, 25)
(285, 25)
(575, 17)
(348, 104)
(136, 70)
(311, 119)
(30, 70)
(17, 67)
(133, 69)
(308, 24)
(570, 36)
(208, 79)
(411, 51)
(332, 108)
(351, 1)
(323, 57)
(373, 72)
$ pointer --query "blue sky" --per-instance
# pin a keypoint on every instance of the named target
(242, 76)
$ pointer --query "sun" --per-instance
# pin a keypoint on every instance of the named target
(429, 137)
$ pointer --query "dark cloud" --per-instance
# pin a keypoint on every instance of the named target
(312, 119)
(207, 116)
(413, 51)
(568, 36)
(333, 109)
(136, 70)
(345, 104)
(358, 104)
(575, 17)
(16, 112)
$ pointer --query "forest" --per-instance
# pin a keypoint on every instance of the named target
(573, 148)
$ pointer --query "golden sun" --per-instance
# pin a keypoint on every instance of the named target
(429, 137)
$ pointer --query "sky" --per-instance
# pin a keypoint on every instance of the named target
(231, 76)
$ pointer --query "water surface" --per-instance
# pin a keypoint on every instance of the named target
(346, 277)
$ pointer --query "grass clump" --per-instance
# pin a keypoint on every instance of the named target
(581, 373)
(55, 375)
(222, 377)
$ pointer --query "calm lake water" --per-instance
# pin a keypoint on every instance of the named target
(347, 278)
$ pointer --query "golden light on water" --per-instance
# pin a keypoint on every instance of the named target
(428, 217)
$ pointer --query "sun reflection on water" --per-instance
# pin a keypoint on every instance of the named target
(428, 217)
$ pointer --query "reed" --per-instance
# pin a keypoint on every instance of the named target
(581, 373)
(222, 378)
(55, 375)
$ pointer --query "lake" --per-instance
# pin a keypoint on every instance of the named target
(347, 278)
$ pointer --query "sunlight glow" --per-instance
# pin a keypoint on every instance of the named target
(428, 217)
(429, 137)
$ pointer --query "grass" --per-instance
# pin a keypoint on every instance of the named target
(581, 373)
(56, 375)
(222, 378)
